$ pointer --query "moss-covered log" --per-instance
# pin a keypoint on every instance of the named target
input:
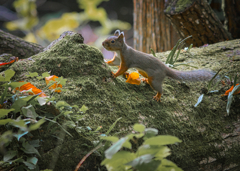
(210, 137)
(196, 18)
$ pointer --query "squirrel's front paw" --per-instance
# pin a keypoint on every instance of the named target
(145, 80)
(113, 75)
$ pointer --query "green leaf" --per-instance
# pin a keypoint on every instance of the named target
(112, 126)
(115, 147)
(191, 45)
(162, 140)
(162, 153)
(29, 165)
(5, 121)
(34, 143)
(36, 125)
(18, 104)
(153, 52)
(61, 81)
(110, 138)
(20, 134)
(45, 74)
(210, 82)
(152, 165)
(83, 108)
(127, 144)
(230, 98)
(29, 111)
(9, 74)
(199, 100)
(2, 79)
(14, 85)
(167, 165)
(32, 74)
(6, 137)
(139, 135)
(141, 160)
(98, 128)
(39, 77)
(150, 132)
(70, 124)
(67, 113)
(61, 104)
(235, 80)
(29, 149)
(157, 151)
(9, 155)
(42, 100)
(4, 112)
(19, 124)
(119, 159)
(32, 160)
(139, 127)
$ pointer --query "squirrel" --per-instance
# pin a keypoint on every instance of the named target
(149, 66)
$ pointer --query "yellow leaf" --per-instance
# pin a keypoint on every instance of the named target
(30, 38)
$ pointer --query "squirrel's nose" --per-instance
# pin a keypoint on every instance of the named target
(103, 43)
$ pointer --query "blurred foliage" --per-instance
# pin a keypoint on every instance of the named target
(52, 29)
(27, 12)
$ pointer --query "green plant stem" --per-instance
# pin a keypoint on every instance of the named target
(4, 95)
(86, 156)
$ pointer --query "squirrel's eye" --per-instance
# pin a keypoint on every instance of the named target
(112, 41)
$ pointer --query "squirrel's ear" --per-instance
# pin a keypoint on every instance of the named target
(116, 33)
(121, 36)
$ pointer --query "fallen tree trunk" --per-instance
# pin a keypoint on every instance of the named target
(17, 47)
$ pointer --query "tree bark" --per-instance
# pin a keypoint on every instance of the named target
(17, 47)
(196, 18)
(151, 27)
(232, 11)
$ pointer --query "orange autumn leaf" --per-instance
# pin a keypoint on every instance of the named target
(7, 63)
(29, 86)
(228, 91)
(133, 78)
(54, 86)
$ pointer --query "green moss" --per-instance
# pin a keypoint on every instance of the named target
(180, 6)
(90, 83)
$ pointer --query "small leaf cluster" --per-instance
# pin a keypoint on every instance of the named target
(171, 59)
(18, 115)
(22, 113)
(150, 155)
(235, 90)
(210, 86)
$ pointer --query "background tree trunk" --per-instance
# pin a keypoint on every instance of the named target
(232, 11)
(17, 47)
(151, 27)
(196, 18)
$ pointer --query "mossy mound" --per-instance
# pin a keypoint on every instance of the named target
(206, 131)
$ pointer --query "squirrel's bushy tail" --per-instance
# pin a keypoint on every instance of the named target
(195, 75)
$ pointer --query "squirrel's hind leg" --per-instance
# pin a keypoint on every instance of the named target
(157, 97)
(156, 84)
